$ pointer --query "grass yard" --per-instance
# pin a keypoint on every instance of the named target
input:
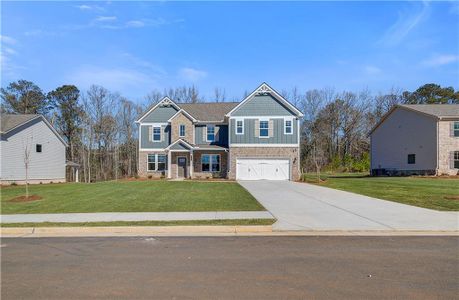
(130, 196)
(419, 191)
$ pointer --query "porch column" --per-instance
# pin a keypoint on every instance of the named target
(76, 175)
(191, 164)
(169, 164)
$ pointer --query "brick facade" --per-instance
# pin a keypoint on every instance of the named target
(447, 144)
(181, 119)
(197, 164)
(174, 165)
(292, 153)
(143, 161)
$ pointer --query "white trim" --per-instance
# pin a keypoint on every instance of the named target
(178, 141)
(285, 127)
(265, 145)
(185, 113)
(167, 100)
(207, 140)
(153, 134)
(265, 88)
(156, 163)
(180, 130)
(210, 163)
(176, 161)
(259, 128)
(261, 117)
(235, 126)
(152, 149)
(153, 124)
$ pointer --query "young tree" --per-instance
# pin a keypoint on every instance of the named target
(27, 147)
(24, 97)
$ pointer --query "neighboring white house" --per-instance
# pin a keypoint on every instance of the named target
(46, 147)
(417, 139)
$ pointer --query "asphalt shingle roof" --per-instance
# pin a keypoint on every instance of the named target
(437, 110)
(10, 121)
(208, 111)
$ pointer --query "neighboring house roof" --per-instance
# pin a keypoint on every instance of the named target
(438, 111)
(9, 122)
(209, 111)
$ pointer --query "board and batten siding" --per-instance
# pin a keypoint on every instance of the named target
(49, 165)
(249, 136)
(262, 105)
(405, 132)
(146, 142)
(200, 135)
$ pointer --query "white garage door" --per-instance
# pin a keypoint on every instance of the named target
(257, 169)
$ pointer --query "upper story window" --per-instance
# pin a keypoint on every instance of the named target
(156, 134)
(456, 129)
(38, 148)
(182, 130)
(264, 128)
(210, 133)
(288, 127)
(411, 159)
(239, 126)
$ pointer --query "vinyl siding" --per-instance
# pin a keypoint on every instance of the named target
(262, 105)
(278, 133)
(146, 144)
(200, 138)
(47, 165)
(179, 146)
(160, 114)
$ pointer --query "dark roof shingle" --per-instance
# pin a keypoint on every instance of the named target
(10, 121)
(437, 110)
(208, 111)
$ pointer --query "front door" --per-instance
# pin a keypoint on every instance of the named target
(181, 165)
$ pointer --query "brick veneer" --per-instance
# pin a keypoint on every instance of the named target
(175, 128)
(447, 143)
(142, 167)
(197, 164)
(291, 153)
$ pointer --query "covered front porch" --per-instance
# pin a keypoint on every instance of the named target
(195, 161)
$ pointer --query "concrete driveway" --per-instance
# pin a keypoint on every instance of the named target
(301, 206)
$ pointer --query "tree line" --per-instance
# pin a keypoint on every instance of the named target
(99, 125)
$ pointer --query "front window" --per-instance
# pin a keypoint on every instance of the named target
(182, 130)
(210, 133)
(456, 159)
(411, 159)
(210, 163)
(456, 129)
(264, 125)
(288, 127)
(157, 162)
(156, 134)
(239, 127)
(38, 148)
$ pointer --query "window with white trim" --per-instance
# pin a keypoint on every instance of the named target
(288, 129)
(264, 128)
(456, 129)
(239, 126)
(456, 159)
(210, 133)
(157, 162)
(210, 163)
(182, 130)
(156, 134)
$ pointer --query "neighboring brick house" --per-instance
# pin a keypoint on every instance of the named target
(257, 138)
(418, 139)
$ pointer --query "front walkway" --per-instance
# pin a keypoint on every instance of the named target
(301, 206)
(132, 217)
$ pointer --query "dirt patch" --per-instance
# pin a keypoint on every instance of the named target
(26, 199)
(451, 197)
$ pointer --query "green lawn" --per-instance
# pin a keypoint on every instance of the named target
(130, 196)
(239, 222)
(418, 191)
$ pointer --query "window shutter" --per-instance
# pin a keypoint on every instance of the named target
(217, 133)
(163, 133)
(271, 128)
(257, 128)
(150, 133)
(451, 160)
(451, 131)
(204, 136)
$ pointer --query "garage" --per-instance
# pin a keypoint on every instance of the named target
(262, 169)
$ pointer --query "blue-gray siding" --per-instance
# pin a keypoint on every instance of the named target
(200, 137)
(180, 146)
(263, 105)
(160, 114)
(145, 143)
(278, 133)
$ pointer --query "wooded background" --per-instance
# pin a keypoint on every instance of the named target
(99, 125)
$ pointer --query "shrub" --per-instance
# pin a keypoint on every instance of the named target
(14, 183)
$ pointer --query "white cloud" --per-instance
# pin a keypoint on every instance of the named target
(9, 50)
(105, 19)
(405, 24)
(7, 40)
(372, 70)
(86, 7)
(41, 33)
(135, 23)
(191, 74)
(441, 60)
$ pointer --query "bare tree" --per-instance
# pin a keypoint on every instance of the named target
(27, 147)
(219, 95)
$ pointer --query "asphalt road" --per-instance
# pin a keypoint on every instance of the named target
(230, 268)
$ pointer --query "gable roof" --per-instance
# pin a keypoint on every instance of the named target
(438, 111)
(265, 88)
(180, 144)
(10, 122)
(163, 101)
(209, 111)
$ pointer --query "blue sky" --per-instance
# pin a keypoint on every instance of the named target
(135, 47)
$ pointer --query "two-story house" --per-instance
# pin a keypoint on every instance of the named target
(257, 138)
(419, 139)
